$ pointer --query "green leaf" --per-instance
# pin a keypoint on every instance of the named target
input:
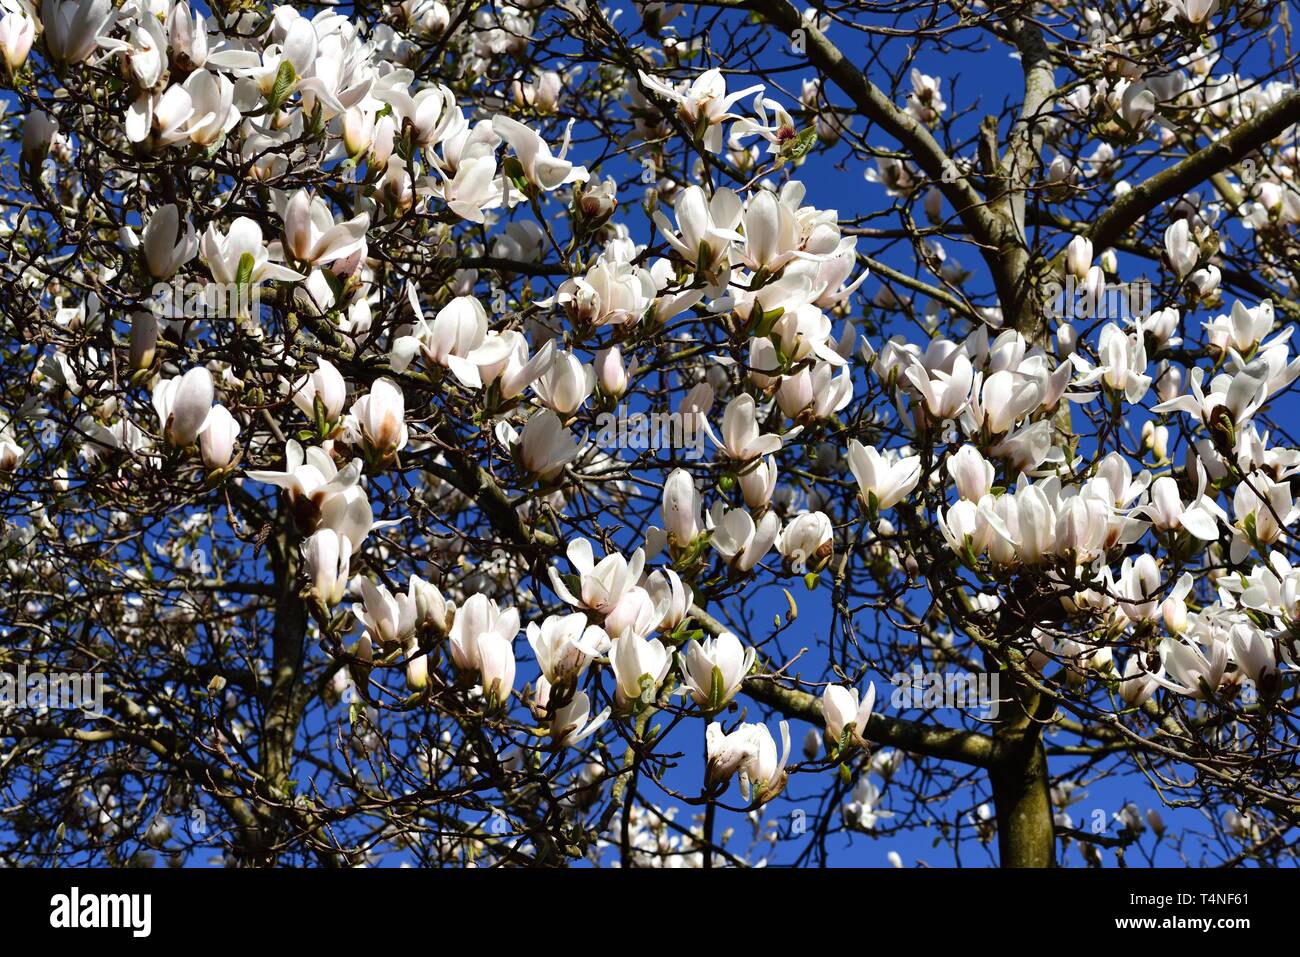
(284, 81)
(801, 145)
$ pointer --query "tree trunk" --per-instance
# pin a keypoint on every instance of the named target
(1026, 831)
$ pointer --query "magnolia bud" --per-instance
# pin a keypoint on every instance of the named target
(358, 131)
(934, 206)
(1174, 610)
(39, 131)
(681, 508)
(1066, 339)
(1169, 381)
(217, 443)
(1156, 822)
(11, 453)
(144, 339)
(1078, 257)
(430, 606)
(610, 372)
(17, 31)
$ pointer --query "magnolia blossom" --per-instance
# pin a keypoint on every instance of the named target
(1078, 257)
(635, 611)
(504, 362)
(806, 541)
(681, 508)
(841, 708)
(1262, 511)
(565, 645)
(971, 473)
(742, 439)
(73, 27)
(880, 480)
(183, 405)
(1136, 685)
(324, 495)
(1167, 511)
(217, 441)
(240, 255)
(451, 339)
(325, 385)
(327, 556)
(672, 598)
(715, 669)
(703, 104)
(17, 31)
(1189, 668)
(737, 538)
(1242, 329)
(566, 385)
(167, 243)
(482, 640)
(388, 618)
(11, 453)
(573, 722)
(1180, 248)
(1139, 587)
(381, 417)
(639, 665)
(599, 585)
(946, 394)
(546, 446)
(540, 167)
(706, 228)
(311, 236)
(750, 750)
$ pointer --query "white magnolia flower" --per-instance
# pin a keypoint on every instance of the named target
(327, 556)
(183, 405)
(738, 539)
(971, 473)
(742, 439)
(1180, 247)
(573, 722)
(841, 708)
(639, 665)
(312, 237)
(806, 541)
(482, 640)
(240, 253)
(388, 618)
(715, 669)
(566, 385)
(166, 242)
(703, 104)
(17, 32)
(326, 385)
(887, 482)
(1167, 511)
(217, 440)
(73, 28)
(599, 586)
(565, 645)
(545, 447)
(381, 417)
(540, 167)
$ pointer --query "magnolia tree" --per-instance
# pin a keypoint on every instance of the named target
(520, 435)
